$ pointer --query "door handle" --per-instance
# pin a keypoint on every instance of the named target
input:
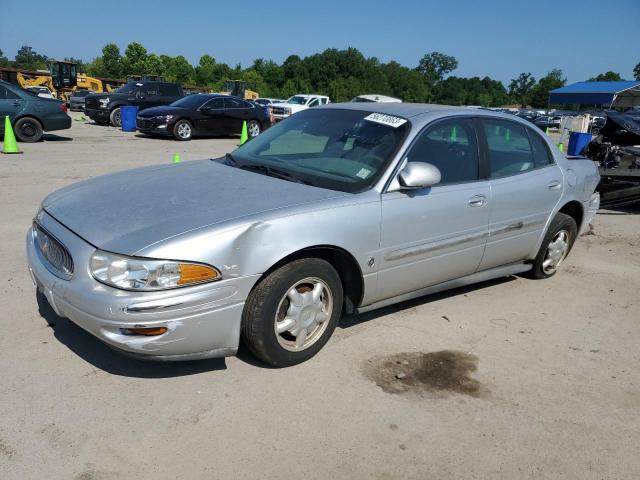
(478, 201)
(555, 185)
(16, 104)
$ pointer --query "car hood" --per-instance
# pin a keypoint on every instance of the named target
(128, 211)
(162, 110)
(292, 106)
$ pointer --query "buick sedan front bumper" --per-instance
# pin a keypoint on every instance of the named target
(202, 321)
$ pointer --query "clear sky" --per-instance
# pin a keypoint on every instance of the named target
(498, 38)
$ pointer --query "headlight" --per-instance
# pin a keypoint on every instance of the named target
(287, 111)
(147, 274)
(104, 102)
(164, 118)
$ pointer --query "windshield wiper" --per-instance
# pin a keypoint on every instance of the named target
(272, 172)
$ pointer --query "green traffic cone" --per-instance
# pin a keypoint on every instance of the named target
(454, 134)
(10, 145)
(561, 147)
(507, 135)
(546, 131)
(176, 158)
(244, 136)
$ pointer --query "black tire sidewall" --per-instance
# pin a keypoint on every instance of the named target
(17, 128)
(260, 309)
(175, 130)
(560, 222)
(112, 117)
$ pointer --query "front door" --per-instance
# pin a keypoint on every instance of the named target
(211, 117)
(436, 234)
(526, 185)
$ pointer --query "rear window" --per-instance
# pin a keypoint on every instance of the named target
(509, 149)
(541, 155)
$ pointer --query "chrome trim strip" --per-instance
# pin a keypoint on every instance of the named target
(516, 226)
(434, 246)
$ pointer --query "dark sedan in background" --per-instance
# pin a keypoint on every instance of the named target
(76, 100)
(30, 114)
(203, 115)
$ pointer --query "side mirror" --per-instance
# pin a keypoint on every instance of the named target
(416, 175)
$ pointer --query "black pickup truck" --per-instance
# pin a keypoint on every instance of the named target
(104, 108)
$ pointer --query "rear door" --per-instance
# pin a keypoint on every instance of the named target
(436, 234)
(211, 118)
(236, 111)
(525, 187)
(10, 104)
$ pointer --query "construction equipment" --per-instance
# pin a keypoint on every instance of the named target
(98, 84)
(238, 88)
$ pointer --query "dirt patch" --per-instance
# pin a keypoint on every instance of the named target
(436, 372)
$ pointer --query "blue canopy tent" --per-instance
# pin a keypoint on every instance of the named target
(612, 94)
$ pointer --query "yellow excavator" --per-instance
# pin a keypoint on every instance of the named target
(238, 88)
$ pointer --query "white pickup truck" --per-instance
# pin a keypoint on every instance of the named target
(297, 103)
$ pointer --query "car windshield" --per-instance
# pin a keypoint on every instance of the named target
(345, 150)
(127, 88)
(191, 101)
(298, 100)
(361, 100)
(81, 93)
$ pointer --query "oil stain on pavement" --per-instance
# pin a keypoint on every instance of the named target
(438, 373)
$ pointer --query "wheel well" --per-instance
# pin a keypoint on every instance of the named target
(574, 210)
(344, 263)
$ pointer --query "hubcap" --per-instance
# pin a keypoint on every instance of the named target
(28, 129)
(116, 118)
(556, 252)
(303, 314)
(254, 129)
(184, 130)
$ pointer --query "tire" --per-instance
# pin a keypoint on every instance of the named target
(115, 117)
(549, 258)
(183, 130)
(28, 130)
(254, 128)
(271, 305)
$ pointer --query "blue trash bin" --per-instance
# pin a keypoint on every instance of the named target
(578, 142)
(128, 116)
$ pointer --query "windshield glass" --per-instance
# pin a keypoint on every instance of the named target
(361, 100)
(191, 101)
(298, 100)
(336, 149)
(127, 88)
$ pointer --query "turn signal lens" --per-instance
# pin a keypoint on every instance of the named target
(190, 273)
(146, 331)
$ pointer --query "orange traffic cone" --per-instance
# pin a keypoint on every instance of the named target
(10, 145)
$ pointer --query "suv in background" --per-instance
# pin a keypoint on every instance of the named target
(104, 108)
(296, 104)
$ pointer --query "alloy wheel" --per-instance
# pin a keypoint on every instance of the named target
(556, 252)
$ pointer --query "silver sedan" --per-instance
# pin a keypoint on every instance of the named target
(338, 209)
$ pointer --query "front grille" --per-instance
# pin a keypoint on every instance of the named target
(56, 256)
(279, 111)
(145, 123)
(92, 102)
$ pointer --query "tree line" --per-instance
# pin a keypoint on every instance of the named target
(341, 74)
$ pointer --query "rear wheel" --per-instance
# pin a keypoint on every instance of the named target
(28, 130)
(182, 130)
(290, 315)
(115, 117)
(254, 128)
(555, 247)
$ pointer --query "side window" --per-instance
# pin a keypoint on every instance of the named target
(508, 147)
(451, 146)
(244, 104)
(169, 90)
(232, 103)
(215, 104)
(541, 155)
(314, 103)
(6, 94)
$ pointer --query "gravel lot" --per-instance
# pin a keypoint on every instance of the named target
(509, 379)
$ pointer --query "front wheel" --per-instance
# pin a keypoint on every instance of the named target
(290, 315)
(182, 130)
(115, 117)
(28, 130)
(254, 128)
(555, 247)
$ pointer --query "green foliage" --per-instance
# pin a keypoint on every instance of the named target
(435, 65)
(540, 93)
(29, 59)
(4, 61)
(472, 91)
(134, 61)
(520, 88)
(606, 77)
(636, 72)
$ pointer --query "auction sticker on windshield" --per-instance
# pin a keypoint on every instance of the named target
(389, 120)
